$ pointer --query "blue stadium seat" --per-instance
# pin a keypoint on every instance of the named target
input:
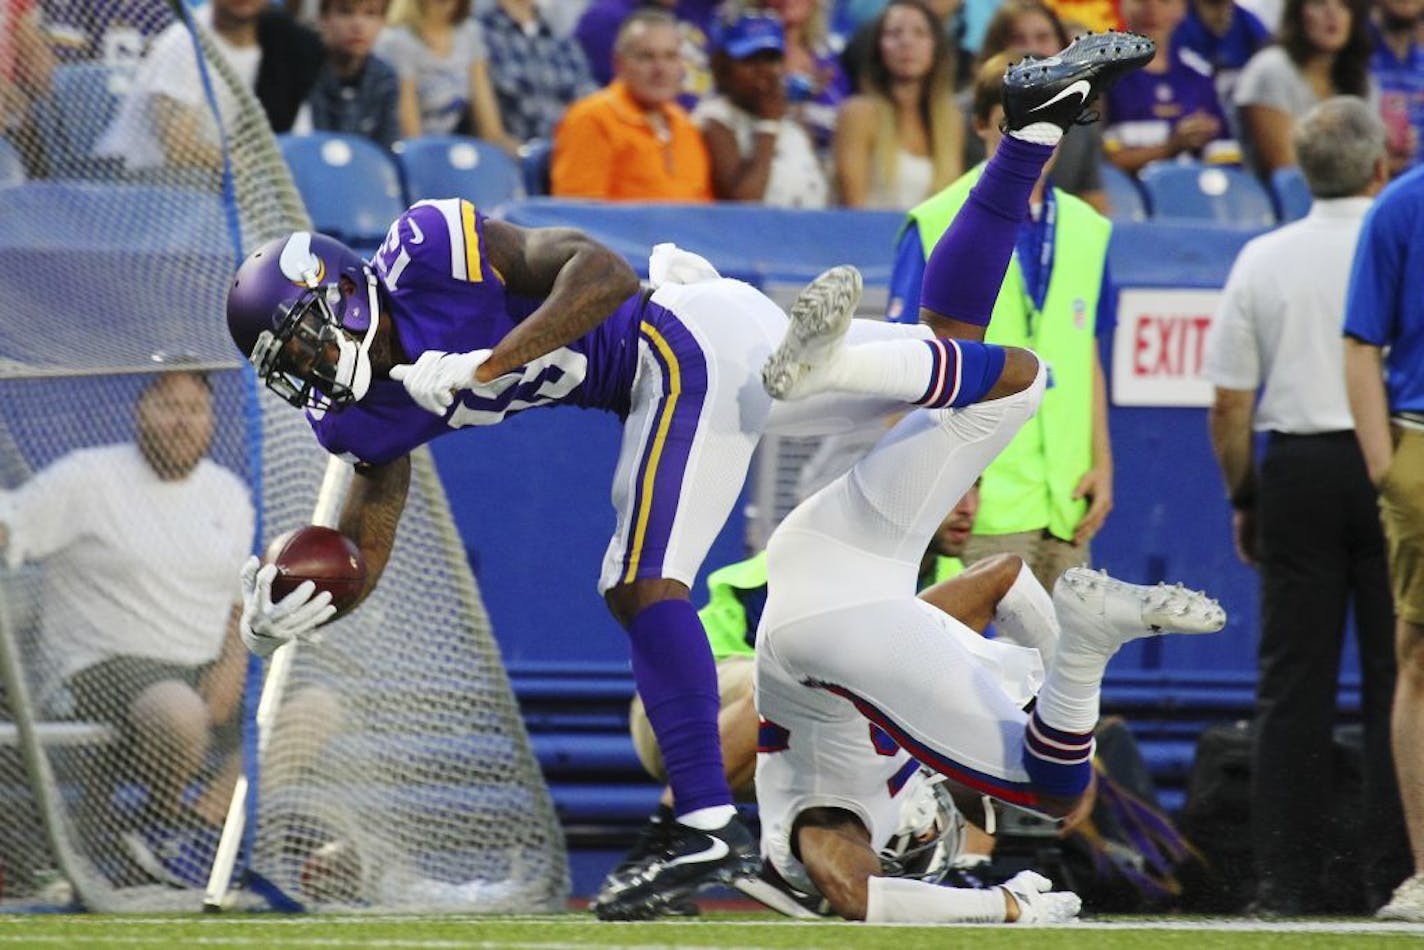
(351, 187)
(1291, 193)
(83, 100)
(1223, 194)
(534, 159)
(12, 170)
(1122, 190)
(457, 166)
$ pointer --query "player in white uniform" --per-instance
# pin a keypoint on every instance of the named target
(856, 678)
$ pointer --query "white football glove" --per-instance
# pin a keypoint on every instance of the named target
(1038, 902)
(435, 377)
(266, 626)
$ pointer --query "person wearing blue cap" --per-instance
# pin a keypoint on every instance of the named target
(759, 151)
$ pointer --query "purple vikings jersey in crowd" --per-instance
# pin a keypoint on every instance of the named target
(1143, 107)
(442, 293)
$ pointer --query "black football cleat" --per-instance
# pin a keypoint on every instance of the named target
(652, 838)
(1059, 89)
(688, 861)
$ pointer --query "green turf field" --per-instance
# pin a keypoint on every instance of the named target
(714, 930)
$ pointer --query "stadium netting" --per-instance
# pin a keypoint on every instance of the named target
(402, 778)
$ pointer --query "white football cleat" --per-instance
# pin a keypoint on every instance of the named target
(1107, 612)
(820, 317)
(1407, 903)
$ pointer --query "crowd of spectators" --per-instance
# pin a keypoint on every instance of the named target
(801, 103)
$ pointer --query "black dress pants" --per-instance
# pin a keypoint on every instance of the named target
(1322, 555)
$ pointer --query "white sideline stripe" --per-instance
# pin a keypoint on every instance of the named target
(69, 940)
(1220, 925)
(306, 920)
(1361, 926)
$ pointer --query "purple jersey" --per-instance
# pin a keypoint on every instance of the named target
(1142, 107)
(442, 293)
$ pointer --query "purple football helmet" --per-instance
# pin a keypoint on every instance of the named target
(304, 310)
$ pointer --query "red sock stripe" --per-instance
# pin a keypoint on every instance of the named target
(1041, 746)
(946, 372)
(936, 373)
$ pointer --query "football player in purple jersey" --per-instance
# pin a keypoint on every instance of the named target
(461, 320)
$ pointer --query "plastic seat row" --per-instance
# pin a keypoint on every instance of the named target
(334, 171)
(1209, 193)
(353, 188)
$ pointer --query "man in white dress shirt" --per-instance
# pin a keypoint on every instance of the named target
(1307, 516)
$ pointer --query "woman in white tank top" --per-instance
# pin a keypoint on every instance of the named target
(901, 139)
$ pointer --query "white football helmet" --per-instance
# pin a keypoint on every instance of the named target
(931, 832)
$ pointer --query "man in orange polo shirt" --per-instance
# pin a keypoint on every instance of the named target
(631, 141)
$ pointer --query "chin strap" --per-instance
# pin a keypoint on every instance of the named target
(372, 309)
(353, 368)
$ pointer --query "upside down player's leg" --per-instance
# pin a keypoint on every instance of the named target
(1042, 99)
(967, 265)
(843, 564)
(858, 606)
(962, 281)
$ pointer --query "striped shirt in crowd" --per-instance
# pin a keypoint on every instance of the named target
(535, 73)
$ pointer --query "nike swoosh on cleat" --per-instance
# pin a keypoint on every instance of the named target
(1081, 88)
(715, 851)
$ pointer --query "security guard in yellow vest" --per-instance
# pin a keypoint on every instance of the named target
(1049, 492)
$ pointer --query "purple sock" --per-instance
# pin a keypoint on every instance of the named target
(967, 266)
(675, 675)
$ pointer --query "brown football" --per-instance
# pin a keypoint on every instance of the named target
(324, 556)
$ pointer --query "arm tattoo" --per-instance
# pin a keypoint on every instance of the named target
(581, 283)
(373, 509)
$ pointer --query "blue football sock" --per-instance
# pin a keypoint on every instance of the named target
(1059, 763)
(961, 372)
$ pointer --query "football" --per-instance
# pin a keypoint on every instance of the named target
(324, 556)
